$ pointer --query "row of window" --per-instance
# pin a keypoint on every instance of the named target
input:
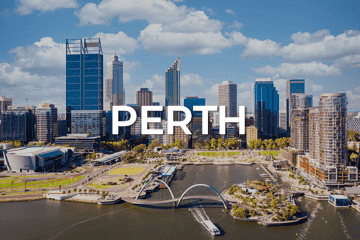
(88, 79)
(76, 94)
(74, 65)
(88, 57)
(89, 87)
(88, 101)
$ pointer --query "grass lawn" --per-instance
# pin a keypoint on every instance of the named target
(40, 184)
(208, 154)
(127, 171)
(271, 153)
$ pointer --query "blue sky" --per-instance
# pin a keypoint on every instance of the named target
(217, 41)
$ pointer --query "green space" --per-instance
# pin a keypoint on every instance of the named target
(17, 183)
(271, 153)
(127, 171)
(208, 154)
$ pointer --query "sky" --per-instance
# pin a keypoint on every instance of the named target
(217, 41)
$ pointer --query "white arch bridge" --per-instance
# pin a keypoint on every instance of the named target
(175, 201)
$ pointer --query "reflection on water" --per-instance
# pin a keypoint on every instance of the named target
(48, 219)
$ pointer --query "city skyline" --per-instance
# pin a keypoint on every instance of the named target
(324, 51)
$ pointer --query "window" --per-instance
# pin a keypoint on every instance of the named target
(91, 71)
(91, 79)
(73, 87)
(73, 80)
(91, 65)
(91, 87)
(91, 57)
(73, 58)
(91, 94)
(70, 65)
(72, 94)
(72, 72)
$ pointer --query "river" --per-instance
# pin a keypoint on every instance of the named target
(47, 219)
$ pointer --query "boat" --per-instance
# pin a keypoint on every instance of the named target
(211, 227)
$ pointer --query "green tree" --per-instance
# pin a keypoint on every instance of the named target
(354, 157)
(154, 143)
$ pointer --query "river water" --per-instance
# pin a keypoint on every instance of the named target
(47, 219)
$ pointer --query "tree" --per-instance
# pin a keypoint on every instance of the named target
(353, 157)
(25, 182)
(154, 143)
(12, 183)
(139, 149)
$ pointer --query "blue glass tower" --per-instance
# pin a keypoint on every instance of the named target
(190, 102)
(292, 86)
(172, 84)
(265, 107)
(84, 74)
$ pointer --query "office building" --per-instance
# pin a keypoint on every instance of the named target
(91, 122)
(124, 132)
(172, 84)
(265, 107)
(282, 119)
(17, 124)
(114, 84)
(144, 97)
(314, 134)
(354, 123)
(190, 102)
(4, 103)
(157, 114)
(300, 107)
(46, 122)
(227, 96)
(81, 142)
(292, 86)
(84, 74)
(251, 134)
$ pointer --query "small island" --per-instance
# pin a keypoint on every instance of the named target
(263, 203)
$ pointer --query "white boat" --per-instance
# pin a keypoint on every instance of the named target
(211, 227)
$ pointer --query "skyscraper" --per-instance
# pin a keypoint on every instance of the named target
(114, 84)
(84, 74)
(144, 97)
(190, 102)
(172, 84)
(300, 107)
(227, 96)
(265, 107)
(46, 122)
(292, 86)
(5, 103)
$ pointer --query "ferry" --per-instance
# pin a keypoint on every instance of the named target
(211, 227)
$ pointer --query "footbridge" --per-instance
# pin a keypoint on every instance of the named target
(176, 201)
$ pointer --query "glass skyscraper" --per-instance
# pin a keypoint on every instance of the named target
(84, 74)
(265, 107)
(292, 86)
(172, 84)
(190, 102)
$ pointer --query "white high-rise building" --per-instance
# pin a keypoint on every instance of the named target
(114, 84)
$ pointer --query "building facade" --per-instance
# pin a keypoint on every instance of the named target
(17, 124)
(4, 103)
(292, 86)
(172, 84)
(91, 122)
(84, 74)
(46, 122)
(144, 97)
(190, 102)
(114, 84)
(300, 121)
(265, 107)
(227, 96)
(353, 124)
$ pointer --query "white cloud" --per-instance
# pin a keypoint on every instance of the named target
(191, 79)
(45, 53)
(38, 89)
(119, 42)
(213, 92)
(155, 40)
(300, 70)
(153, 11)
(27, 6)
(255, 48)
(305, 38)
(353, 99)
(348, 61)
(230, 11)
(347, 43)
(209, 10)
(236, 25)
